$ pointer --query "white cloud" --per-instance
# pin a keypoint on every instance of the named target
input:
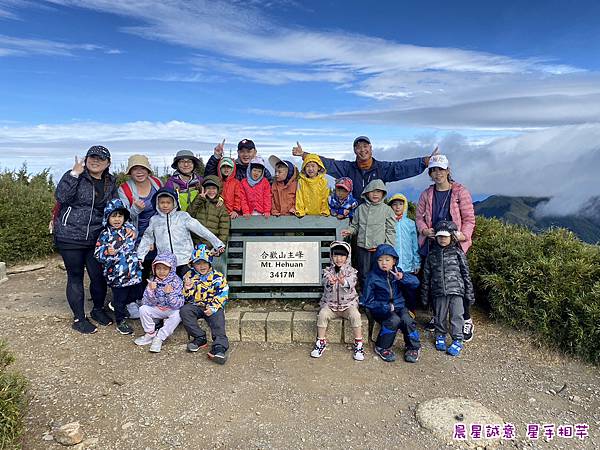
(13, 46)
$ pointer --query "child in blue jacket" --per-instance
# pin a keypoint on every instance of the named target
(382, 296)
(115, 250)
(341, 202)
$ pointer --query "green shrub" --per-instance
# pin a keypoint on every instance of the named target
(26, 203)
(547, 283)
(13, 402)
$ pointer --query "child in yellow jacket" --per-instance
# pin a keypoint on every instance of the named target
(313, 193)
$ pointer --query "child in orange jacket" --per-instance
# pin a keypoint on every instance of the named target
(284, 187)
(256, 190)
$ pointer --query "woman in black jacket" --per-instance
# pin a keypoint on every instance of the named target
(82, 194)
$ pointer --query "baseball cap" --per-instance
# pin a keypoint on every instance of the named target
(440, 161)
(246, 143)
(361, 138)
(99, 151)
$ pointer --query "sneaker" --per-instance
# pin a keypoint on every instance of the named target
(218, 357)
(359, 352)
(430, 326)
(100, 316)
(386, 354)
(320, 346)
(146, 339)
(84, 326)
(455, 348)
(412, 356)
(196, 345)
(124, 328)
(133, 310)
(156, 345)
(468, 329)
(440, 343)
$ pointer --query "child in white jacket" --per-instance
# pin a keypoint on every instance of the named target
(169, 231)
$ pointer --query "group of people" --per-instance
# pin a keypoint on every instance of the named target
(159, 247)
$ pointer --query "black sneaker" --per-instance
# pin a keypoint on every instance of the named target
(218, 357)
(429, 326)
(124, 328)
(196, 345)
(468, 329)
(84, 326)
(100, 316)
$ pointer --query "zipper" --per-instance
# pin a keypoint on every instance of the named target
(169, 232)
(387, 278)
(87, 234)
(66, 216)
(443, 272)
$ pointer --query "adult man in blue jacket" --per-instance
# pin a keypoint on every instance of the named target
(366, 168)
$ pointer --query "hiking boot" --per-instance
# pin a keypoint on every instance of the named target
(412, 356)
(430, 326)
(146, 339)
(133, 310)
(386, 354)
(440, 343)
(359, 351)
(124, 328)
(217, 357)
(455, 348)
(84, 326)
(468, 329)
(156, 345)
(100, 316)
(196, 345)
(319, 348)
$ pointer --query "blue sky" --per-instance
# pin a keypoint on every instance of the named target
(494, 82)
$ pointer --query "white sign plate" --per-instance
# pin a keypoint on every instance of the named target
(273, 262)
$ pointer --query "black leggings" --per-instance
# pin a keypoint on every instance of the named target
(75, 262)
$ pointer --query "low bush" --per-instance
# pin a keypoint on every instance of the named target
(548, 284)
(13, 402)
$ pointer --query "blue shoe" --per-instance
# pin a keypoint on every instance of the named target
(386, 354)
(455, 348)
(440, 343)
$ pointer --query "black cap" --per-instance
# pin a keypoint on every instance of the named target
(99, 151)
(361, 138)
(246, 143)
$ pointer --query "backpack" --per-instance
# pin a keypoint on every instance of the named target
(129, 194)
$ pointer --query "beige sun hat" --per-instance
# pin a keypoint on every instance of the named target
(138, 160)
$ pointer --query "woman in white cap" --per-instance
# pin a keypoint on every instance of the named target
(186, 179)
(81, 195)
(450, 201)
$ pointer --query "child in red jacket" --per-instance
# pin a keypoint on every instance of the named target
(256, 190)
(232, 187)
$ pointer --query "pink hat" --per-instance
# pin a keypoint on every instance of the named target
(344, 183)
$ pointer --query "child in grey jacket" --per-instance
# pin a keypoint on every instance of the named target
(374, 223)
(339, 299)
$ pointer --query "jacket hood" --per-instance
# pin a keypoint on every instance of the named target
(116, 204)
(168, 259)
(311, 157)
(399, 197)
(228, 162)
(164, 192)
(214, 180)
(341, 244)
(372, 186)
(201, 253)
(257, 160)
(292, 172)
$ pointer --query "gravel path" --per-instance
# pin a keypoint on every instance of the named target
(273, 396)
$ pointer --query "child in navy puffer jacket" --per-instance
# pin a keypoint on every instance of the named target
(383, 299)
(115, 250)
(163, 298)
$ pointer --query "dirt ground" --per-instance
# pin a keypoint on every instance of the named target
(271, 396)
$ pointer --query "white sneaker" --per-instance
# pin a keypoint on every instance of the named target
(468, 330)
(145, 339)
(134, 310)
(359, 352)
(319, 348)
(156, 345)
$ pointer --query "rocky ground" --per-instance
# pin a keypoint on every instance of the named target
(273, 396)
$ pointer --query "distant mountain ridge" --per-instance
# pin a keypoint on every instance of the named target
(521, 211)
